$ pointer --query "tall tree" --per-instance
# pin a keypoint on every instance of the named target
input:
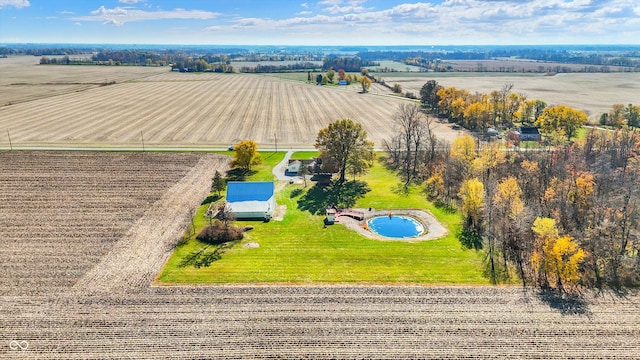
(472, 196)
(429, 94)
(632, 115)
(246, 155)
(303, 171)
(616, 116)
(366, 83)
(415, 139)
(344, 142)
(562, 119)
(217, 183)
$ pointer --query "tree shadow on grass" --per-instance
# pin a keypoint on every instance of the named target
(210, 199)
(238, 174)
(344, 195)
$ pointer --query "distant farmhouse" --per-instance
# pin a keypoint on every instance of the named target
(294, 166)
(529, 133)
(251, 200)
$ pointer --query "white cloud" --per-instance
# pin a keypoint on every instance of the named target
(460, 21)
(122, 15)
(343, 6)
(15, 3)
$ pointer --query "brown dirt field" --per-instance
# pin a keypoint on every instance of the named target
(61, 212)
(524, 65)
(76, 268)
(192, 110)
(22, 78)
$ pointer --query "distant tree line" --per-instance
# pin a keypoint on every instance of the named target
(278, 68)
(348, 64)
(429, 59)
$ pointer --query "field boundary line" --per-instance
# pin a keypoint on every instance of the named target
(139, 255)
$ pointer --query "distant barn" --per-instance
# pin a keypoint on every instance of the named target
(251, 200)
(529, 133)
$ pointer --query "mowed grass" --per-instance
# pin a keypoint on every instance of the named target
(299, 249)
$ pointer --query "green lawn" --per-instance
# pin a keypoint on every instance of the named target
(300, 249)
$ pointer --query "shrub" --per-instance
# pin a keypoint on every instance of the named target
(219, 232)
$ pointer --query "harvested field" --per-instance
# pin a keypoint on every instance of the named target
(76, 272)
(24, 79)
(320, 322)
(61, 213)
(193, 110)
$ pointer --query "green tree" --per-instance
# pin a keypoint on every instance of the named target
(246, 155)
(217, 183)
(303, 171)
(429, 94)
(344, 143)
(561, 118)
(632, 115)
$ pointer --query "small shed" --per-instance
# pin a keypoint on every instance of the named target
(251, 200)
(331, 216)
(294, 167)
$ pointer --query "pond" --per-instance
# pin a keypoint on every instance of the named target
(394, 226)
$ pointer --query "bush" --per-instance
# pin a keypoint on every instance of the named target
(219, 232)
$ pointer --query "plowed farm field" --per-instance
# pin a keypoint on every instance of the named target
(83, 234)
(170, 109)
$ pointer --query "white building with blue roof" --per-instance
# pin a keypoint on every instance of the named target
(251, 200)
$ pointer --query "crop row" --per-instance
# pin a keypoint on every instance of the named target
(321, 322)
(216, 110)
(61, 213)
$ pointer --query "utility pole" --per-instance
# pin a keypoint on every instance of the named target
(10, 144)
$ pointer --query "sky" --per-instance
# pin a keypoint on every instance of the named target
(321, 22)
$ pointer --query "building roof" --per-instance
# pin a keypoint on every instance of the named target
(238, 191)
(529, 130)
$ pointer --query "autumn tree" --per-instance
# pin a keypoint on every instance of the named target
(477, 115)
(561, 119)
(246, 155)
(508, 222)
(330, 75)
(557, 258)
(472, 197)
(464, 148)
(344, 143)
(366, 83)
(616, 116)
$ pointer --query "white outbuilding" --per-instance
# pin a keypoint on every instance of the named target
(251, 200)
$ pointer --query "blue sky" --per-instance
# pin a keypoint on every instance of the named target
(323, 22)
